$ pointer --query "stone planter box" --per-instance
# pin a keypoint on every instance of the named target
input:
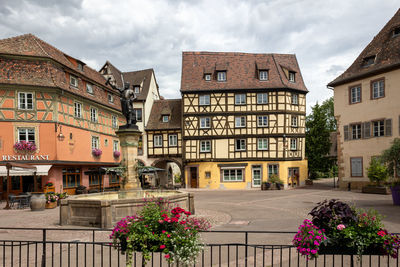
(338, 250)
(383, 190)
(51, 205)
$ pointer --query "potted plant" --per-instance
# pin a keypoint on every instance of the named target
(61, 196)
(81, 189)
(265, 185)
(337, 228)
(276, 182)
(377, 174)
(391, 157)
(116, 154)
(159, 228)
(49, 187)
(96, 152)
(51, 200)
(25, 147)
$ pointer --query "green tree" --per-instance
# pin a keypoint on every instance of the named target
(317, 141)
(327, 109)
(391, 157)
(377, 172)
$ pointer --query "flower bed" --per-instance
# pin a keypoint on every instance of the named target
(158, 228)
(97, 152)
(25, 147)
(337, 228)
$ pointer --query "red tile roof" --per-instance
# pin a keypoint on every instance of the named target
(171, 107)
(241, 71)
(386, 49)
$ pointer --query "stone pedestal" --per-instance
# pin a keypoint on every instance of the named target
(129, 138)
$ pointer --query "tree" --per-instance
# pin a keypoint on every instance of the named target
(327, 109)
(317, 141)
(391, 157)
(377, 172)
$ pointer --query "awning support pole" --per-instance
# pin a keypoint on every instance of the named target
(8, 166)
(35, 187)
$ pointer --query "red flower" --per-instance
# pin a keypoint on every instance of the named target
(162, 246)
(167, 256)
(381, 233)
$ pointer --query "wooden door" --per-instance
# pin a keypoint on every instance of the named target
(193, 177)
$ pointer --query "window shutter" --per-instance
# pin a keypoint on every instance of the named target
(367, 129)
(388, 126)
(362, 130)
(346, 132)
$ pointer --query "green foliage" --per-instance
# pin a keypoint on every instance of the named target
(317, 141)
(327, 109)
(177, 178)
(377, 172)
(391, 157)
(274, 179)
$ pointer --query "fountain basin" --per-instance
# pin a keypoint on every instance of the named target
(104, 210)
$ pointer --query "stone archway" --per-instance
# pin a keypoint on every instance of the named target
(172, 174)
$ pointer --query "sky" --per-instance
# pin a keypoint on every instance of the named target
(326, 36)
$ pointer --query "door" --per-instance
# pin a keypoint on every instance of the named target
(256, 176)
(193, 177)
(293, 177)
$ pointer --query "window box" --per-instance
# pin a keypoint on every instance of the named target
(25, 147)
(116, 154)
(96, 152)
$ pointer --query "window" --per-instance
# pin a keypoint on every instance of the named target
(172, 140)
(105, 142)
(138, 114)
(114, 121)
(240, 122)
(110, 98)
(293, 144)
(71, 178)
(207, 77)
(240, 144)
(262, 98)
(137, 89)
(273, 169)
(89, 88)
(295, 99)
(240, 99)
(232, 175)
(80, 66)
(94, 179)
(263, 74)
(93, 114)
(262, 144)
(115, 145)
(204, 100)
(95, 142)
(25, 100)
(26, 134)
(205, 146)
(355, 94)
(262, 121)
(369, 61)
(379, 128)
(78, 110)
(396, 32)
(221, 76)
(157, 140)
(73, 81)
(292, 76)
(113, 178)
(378, 89)
(140, 145)
(356, 131)
(294, 121)
(165, 118)
(356, 167)
(205, 122)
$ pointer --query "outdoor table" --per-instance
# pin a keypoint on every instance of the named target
(22, 200)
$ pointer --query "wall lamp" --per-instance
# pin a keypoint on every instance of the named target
(60, 135)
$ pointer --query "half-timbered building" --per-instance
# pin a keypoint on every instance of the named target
(64, 108)
(243, 119)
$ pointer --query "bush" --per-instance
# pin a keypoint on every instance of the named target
(377, 172)
(274, 179)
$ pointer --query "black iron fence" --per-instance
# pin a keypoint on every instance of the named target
(58, 247)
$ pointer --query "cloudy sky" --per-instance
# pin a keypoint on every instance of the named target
(325, 35)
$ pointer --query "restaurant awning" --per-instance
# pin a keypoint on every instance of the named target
(15, 171)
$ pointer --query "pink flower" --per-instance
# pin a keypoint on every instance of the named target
(381, 233)
(167, 256)
(162, 246)
(340, 227)
(168, 235)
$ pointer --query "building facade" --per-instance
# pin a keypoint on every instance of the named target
(243, 120)
(64, 108)
(366, 98)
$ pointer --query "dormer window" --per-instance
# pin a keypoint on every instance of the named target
(137, 89)
(396, 32)
(263, 75)
(369, 61)
(89, 88)
(207, 77)
(292, 76)
(165, 118)
(73, 81)
(80, 66)
(221, 76)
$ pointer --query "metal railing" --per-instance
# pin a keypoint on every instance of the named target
(58, 247)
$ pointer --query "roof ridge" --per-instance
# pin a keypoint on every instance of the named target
(36, 41)
(277, 68)
(134, 71)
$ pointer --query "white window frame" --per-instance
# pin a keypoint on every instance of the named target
(135, 111)
(95, 142)
(137, 89)
(221, 76)
(173, 140)
(378, 89)
(240, 99)
(205, 122)
(158, 140)
(233, 175)
(378, 128)
(262, 122)
(29, 133)
(262, 98)
(355, 131)
(89, 88)
(110, 98)
(75, 79)
(207, 77)
(240, 121)
(204, 100)
(78, 110)
(294, 121)
(165, 118)
(355, 94)
(273, 169)
(263, 75)
(94, 114)
(114, 121)
(292, 76)
(115, 145)
(205, 146)
(262, 144)
(25, 100)
(295, 99)
(293, 144)
(242, 145)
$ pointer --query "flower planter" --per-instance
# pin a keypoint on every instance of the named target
(38, 202)
(265, 186)
(48, 189)
(382, 190)
(51, 205)
(339, 250)
(396, 194)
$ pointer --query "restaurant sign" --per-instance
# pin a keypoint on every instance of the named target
(24, 157)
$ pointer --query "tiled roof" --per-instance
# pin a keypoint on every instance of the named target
(171, 107)
(241, 71)
(386, 49)
(136, 78)
(116, 74)
(35, 71)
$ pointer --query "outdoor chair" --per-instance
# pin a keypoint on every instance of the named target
(12, 199)
(24, 201)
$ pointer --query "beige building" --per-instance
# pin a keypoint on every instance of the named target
(367, 109)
